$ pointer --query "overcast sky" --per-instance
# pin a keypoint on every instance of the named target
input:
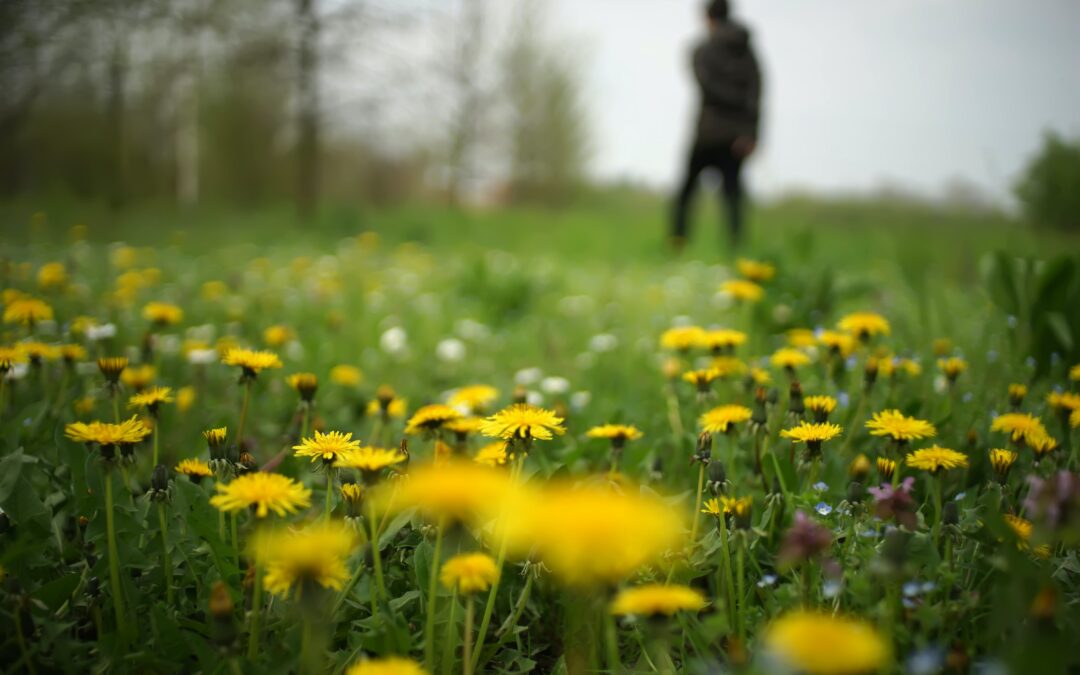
(858, 92)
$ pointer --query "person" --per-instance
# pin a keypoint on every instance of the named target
(729, 79)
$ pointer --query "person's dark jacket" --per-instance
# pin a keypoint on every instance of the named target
(730, 81)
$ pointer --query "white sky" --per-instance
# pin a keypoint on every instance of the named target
(858, 92)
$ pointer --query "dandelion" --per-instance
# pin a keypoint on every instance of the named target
(899, 427)
(329, 447)
(139, 377)
(739, 507)
(469, 573)
(162, 314)
(523, 422)
(251, 362)
(313, 556)
(265, 492)
(742, 290)
(838, 343)
(474, 398)
(1022, 529)
(755, 270)
(393, 665)
(727, 366)
(72, 353)
(1002, 461)
(1044, 444)
(859, 468)
(682, 338)
(952, 367)
(151, 399)
(820, 643)
(1019, 426)
(820, 406)
(801, 338)
(1074, 373)
(430, 418)
(38, 352)
(369, 460)
(305, 384)
(195, 469)
(345, 375)
(722, 340)
(111, 367)
(789, 359)
(935, 459)
(493, 454)
(657, 599)
(701, 379)
(27, 311)
(864, 325)
(1017, 393)
(618, 434)
(813, 434)
(886, 467)
(52, 276)
(278, 336)
(9, 358)
(721, 419)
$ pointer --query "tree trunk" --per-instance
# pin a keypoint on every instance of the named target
(115, 109)
(307, 139)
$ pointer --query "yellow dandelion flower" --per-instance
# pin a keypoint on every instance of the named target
(812, 433)
(216, 437)
(1074, 373)
(789, 358)
(952, 366)
(1002, 460)
(742, 290)
(724, 506)
(265, 491)
(493, 454)
(819, 643)
(1068, 400)
(345, 375)
(722, 339)
(352, 493)
(859, 467)
(727, 366)
(1017, 393)
(428, 418)
(722, 418)
(52, 275)
(185, 398)
(394, 407)
(469, 573)
(151, 398)
(129, 432)
(213, 290)
(162, 313)
(39, 351)
(475, 398)
(886, 467)
(370, 459)
(592, 535)
(251, 361)
(701, 378)
(456, 490)
(463, 426)
(935, 458)
(73, 352)
(1022, 529)
(305, 384)
(820, 405)
(27, 311)
(864, 325)
(1042, 444)
(616, 433)
(316, 554)
(656, 600)
(837, 342)
(85, 405)
(755, 270)
(9, 357)
(194, 468)
(393, 665)
(1020, 426)
(899, 427)
(278, 335)
(801, 338)
(523, 421)
(682, 338)
(760, 376)
(138, 377)
(909, 367)
(329, 447)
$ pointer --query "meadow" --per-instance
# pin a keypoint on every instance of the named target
(414, 439)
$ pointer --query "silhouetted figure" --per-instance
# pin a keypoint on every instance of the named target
(727, 130)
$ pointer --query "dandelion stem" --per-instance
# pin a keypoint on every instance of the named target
(450, 638)
(729, 583)
(256, 609)
(466, 657)
(376, 556)
(115, 405)
(433, 587)
(305, 419)
(612, 640)
(154, 463)
(114, 559)
(243, 415)
(235, 538)
(166, 557)
(740, 560)
(329, 492)
(697, 504)
(507, 629)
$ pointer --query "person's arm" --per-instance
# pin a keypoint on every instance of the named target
(716, 88)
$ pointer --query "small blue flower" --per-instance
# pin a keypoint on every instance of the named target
(1055, 358)
(926, 661)
(820, 486)
(823, 509)
(959, 496)
(1030, 362)
(843, 399)
(850, 363)
(991, 356)
(912, 588)
(927, 587)
(767, 581)
(868, 534)
(831, 588)
(1011, 320)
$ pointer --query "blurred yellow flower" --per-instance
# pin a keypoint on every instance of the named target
(1022, 529)
(821, 406)
(305, 384)
(935, 458)
(316, 554)
(139, 377)
(428, 418)
(194, 468)
(185, 398)
(864, 325)
(742, 290)
(456, 490)
(1019, 426)
(899, 427)
(789, 358)
(657, 599)
(755, 270)
(469, 573)
(73, 352)
(837, 342)
(213, 290)
(722, 339)
(492, 454)
(818, 643)
(475, 398)
(27, 311)
(393, 665)
(252, 362)
(151, 398)
(39, 351)
(952, 366)
(801, 338)
(52, 276)
(682, 338)
(369, 458)
(345, 375)
(9, 356)
(162, 313)
(278, 335)
(616, 433)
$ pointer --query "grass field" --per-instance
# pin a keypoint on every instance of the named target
(595, 556)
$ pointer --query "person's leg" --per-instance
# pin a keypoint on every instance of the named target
(680, 225)
(731, 172)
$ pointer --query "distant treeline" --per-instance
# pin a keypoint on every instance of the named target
(254, 100)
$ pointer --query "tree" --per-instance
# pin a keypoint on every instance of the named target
(1049, 188)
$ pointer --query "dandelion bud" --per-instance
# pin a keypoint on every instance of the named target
(796, 408)
(1017, 393)
(870, 372)
(972, 438)
(772, 396)
(704, 447)
(855, 492)
(859, 468)
(894, 550)
(221, 603)
(950, 514)
(247, 463)
(886, 467)
(111, 367)
(159, 480)
(84, 522)
(305, 384)
(520, 395)
(717, 477)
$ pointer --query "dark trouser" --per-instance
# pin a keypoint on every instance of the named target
(721, 158)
